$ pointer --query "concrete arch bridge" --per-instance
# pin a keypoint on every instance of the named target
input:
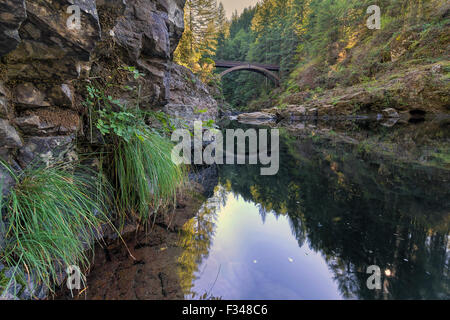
(268, 70)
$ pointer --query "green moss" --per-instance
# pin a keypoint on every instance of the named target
(4, 281)
(442, 158)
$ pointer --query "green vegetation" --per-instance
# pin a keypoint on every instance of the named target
(136, 156)
(144, 174)
(317, 43)
(54, 214)
(205, 27)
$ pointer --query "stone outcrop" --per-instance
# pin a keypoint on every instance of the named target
(45, 56)
(425, 89)
(189, 98)
(257, 118)
(390, 113)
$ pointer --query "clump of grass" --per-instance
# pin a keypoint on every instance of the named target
(145, 176)
(138, 157)
(53, 215)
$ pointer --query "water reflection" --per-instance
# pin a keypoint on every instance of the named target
(311, 231)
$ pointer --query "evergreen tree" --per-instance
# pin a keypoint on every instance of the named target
(292, 34)
(203, 23)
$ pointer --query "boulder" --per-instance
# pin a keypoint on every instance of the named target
(46, 150)
(390, 113)
(313, 112)
(149, 31)
(27, 94)
(62, 95)
(150, 28)
(48, 49)
(9, 138)
(390, 122)
(255, 116)
(295, 111)
(142, 31)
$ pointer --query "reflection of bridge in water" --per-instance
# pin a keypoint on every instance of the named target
(264, 69)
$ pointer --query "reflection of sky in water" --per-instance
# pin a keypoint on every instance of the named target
(261, 260)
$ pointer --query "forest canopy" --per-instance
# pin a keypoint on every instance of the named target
(329, 35)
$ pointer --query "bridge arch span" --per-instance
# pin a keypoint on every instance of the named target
(250, 67)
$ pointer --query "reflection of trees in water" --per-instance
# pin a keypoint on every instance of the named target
(196, 238)
(359, 212)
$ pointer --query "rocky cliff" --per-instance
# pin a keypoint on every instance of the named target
(48, 48)
(44, 55)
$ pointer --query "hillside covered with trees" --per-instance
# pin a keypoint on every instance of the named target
(319, 45)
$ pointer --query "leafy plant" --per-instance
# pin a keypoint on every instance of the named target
(199, 111)
(135, 72)
(119, 123)
(210, 124)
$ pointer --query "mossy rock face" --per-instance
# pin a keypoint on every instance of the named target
(19, 288)
(10, 289)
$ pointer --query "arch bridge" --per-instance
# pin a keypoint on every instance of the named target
(268, 70)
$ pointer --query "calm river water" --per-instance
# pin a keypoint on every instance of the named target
(377, 196)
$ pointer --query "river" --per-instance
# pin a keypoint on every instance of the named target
(336, 207)
(348, 195)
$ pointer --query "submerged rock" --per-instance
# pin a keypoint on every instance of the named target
(256, 116)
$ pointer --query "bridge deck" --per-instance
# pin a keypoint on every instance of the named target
(232, 64)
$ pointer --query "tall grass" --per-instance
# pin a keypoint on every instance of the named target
(53, 216)
(138, 160)
(145, 176)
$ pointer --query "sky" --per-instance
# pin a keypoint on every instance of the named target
(239, 5)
